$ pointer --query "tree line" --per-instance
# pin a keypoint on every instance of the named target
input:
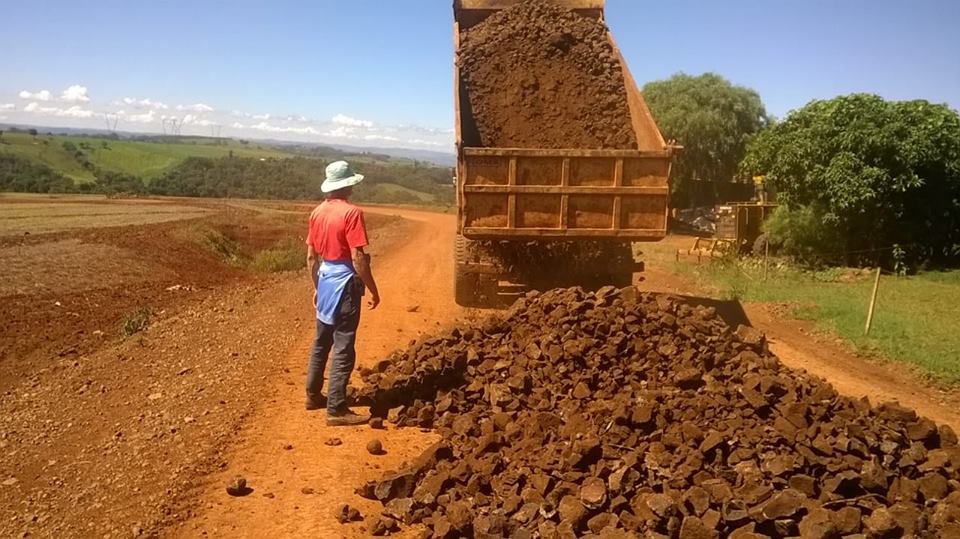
(860, 179)
(296, 178)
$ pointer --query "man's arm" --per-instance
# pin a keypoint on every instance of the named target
(361, 263)
(313, 266)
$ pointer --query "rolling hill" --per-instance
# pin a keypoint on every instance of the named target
(67, 154)
(206, 167)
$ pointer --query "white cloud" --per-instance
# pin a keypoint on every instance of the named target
(341, 119)
(196, 107)
(75, 94)
(387, 138)
(191, 119)
(199, 117)
(42, 95)
(145, 103)
(242, 114)
(73, 112)
(426, 130)
(269, 128)
(148, 117)
(422, 142)
(342, 132)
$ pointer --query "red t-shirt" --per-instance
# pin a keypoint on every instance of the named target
(336, 228)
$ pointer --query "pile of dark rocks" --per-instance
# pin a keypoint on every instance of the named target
(623, 414)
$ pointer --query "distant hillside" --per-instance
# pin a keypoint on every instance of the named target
(436, 158)
(207, 167)
(441, 158)
(79, 157)
(300, 178)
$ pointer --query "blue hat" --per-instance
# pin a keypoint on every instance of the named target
(339, 176)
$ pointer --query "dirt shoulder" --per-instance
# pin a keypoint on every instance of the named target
(100, 444)
(107, 439)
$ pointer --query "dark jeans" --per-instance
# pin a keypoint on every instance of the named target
(338, 338)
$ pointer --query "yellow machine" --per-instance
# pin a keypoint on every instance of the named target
(739, 230)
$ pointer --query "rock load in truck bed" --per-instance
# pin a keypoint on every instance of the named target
(540, 76)
(624, 414)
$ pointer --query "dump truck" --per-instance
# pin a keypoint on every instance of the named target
(512, 200)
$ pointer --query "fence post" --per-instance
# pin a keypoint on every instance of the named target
(766, 256)
(873, 302)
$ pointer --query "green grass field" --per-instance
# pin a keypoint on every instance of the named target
(391, 192)
(143, 159)
(915, 320)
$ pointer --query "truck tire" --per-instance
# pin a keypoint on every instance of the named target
(623, 252)
(760, 245)
(465, 285)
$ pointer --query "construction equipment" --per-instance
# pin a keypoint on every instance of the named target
(508, 197)
(739, 230)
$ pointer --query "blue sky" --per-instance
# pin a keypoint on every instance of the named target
(379, 72)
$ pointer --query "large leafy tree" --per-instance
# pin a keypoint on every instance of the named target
(877, 173)
(713, 120)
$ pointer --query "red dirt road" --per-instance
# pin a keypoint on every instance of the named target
(216, 384)
(415, 276)
(296, 490)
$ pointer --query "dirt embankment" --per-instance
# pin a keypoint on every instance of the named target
(66, 294)
(107, 438)
(539, 76)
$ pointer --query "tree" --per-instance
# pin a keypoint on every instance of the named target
(877, 173)
(713, 120)
(21, 175)
(33, 132)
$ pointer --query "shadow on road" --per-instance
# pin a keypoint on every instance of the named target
(730, 310)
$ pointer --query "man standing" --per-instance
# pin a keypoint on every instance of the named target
(339, 270)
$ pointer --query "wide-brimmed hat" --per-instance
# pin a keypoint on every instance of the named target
(339, 176)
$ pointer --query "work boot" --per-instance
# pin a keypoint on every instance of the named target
(346, 418)
(320, 404)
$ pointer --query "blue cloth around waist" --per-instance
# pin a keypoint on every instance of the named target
(331, 282)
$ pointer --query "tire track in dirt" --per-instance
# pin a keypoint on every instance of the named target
(415, 276)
